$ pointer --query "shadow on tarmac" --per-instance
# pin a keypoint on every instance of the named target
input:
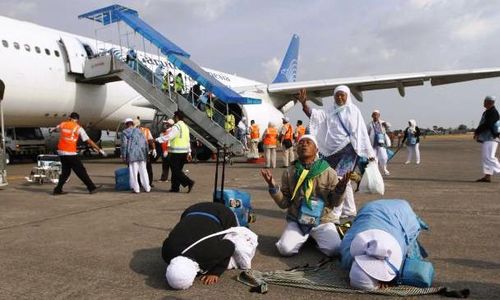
(149, 262)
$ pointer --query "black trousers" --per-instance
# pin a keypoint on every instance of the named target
(177, 161)
(165, 168)
(73, 162)
(149, 168)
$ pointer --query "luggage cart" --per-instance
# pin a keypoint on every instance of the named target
(48, 169)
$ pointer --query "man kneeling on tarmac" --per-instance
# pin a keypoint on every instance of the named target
(206, 240)
(310, 189)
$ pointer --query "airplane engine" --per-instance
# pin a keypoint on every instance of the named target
(94, 134)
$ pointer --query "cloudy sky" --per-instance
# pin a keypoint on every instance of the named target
(338, 39)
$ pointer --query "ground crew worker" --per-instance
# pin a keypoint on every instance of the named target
(152, 152)
(230, 123)
(300, 130)
(209, 108)
(179, 84)
(66, 148)
(254, 139)
(270, 141)
(179, 152)
(286, 138)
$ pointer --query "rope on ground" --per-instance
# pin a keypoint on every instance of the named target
(329, 277)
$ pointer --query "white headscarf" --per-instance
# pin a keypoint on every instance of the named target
(413, 125)
(326, 125)
(181, 272)
(361, 280)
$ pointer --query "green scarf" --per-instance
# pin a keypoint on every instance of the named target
(302, 175)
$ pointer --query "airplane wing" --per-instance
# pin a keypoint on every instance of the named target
(324, 88)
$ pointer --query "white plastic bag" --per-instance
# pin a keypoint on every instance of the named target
(372, 181)
(245, 242)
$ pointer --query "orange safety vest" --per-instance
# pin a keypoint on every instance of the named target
(289, 132)
(68, 137)
(254, 131)
(164, 145)
(271, 137)
(301, 130)
(147, 133)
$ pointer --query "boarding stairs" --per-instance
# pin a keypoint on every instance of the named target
(109, 68)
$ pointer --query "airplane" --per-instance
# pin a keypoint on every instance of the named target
(40, 67)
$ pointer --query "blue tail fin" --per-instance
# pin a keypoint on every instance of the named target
(288, 70)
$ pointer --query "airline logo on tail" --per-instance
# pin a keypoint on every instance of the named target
(288, 70)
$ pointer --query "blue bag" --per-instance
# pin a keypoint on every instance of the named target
(311, 216)
(380, 139)
(417, 272)
(390, 154)
(240, 203)
(496, 128)
(122, 179)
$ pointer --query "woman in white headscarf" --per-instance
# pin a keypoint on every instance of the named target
(342, 137)
(412, 138)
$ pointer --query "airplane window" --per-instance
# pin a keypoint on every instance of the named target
(27, 47)
(47, 51)
(56, 53)
(37, 49)
(5, 43)
(16, 45)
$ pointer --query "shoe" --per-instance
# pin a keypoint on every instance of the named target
(163, 180)
(173, 191)
(484, 179)
(57, 193)
(407, 162)
(96, 188)
(190, 186)
(151, 185)
(387, 173)
(418, 163)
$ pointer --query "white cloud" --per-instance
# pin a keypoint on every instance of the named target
(472, 28)
(209, 10)
(20, 9)
(423, 3)
(271, 67)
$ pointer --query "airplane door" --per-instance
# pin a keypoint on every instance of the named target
(76, 54)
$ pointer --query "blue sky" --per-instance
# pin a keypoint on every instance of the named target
(338, 39)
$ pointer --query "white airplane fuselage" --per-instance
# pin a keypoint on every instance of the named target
(39, 66)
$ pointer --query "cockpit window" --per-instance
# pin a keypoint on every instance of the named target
(27, 47)
(5, 43)
(56, 53)
(37, 49)
(47, 51)
(16, 45)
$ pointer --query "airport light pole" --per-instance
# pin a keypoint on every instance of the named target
(3, 156)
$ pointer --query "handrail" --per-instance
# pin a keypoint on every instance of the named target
(218, 117)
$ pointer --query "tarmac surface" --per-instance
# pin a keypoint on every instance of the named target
(108, 245)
